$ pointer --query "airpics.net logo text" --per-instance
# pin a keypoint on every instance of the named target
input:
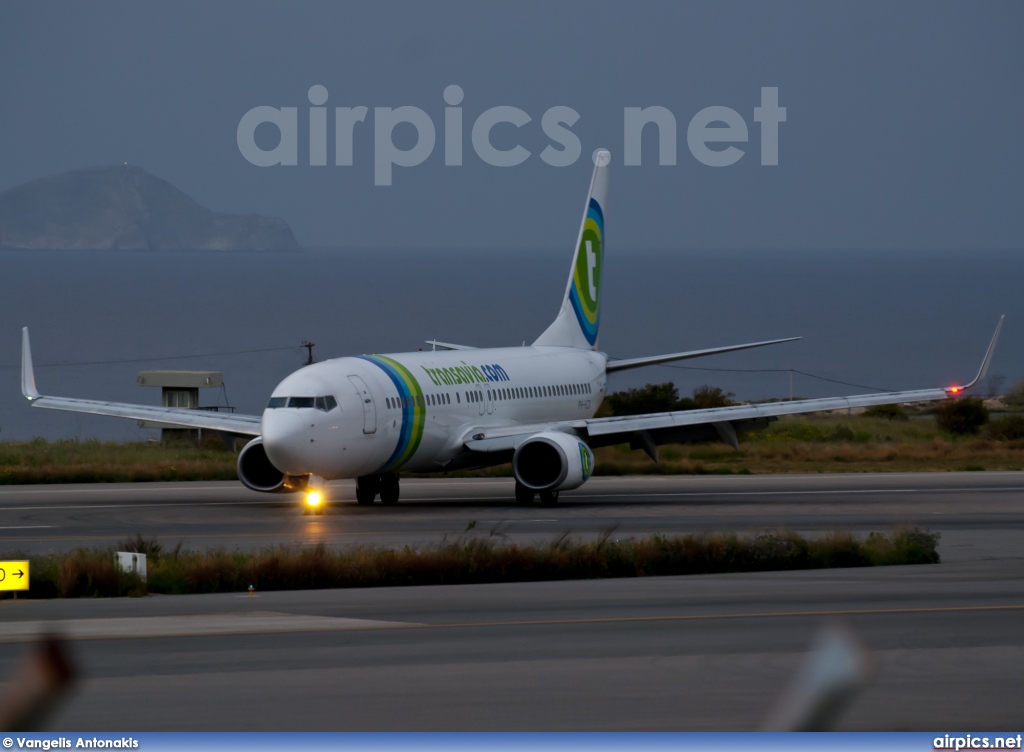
(715, 136)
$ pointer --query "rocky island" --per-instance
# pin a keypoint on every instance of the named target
(125, 208)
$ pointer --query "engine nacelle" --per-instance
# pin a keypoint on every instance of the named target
(552, 461)
(256, 471)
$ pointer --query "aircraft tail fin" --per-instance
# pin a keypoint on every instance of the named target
(577, 322)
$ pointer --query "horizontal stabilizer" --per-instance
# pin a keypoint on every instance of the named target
(448, 345)
(622, 365)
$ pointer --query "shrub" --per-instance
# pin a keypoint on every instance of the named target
(706, 396)
(652, 398)
(658, 398)
(962, 416)
(1006, 428)
(1015, 396)
(889, 412)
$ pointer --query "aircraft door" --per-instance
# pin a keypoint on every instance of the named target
(369, 410)
(489, 400)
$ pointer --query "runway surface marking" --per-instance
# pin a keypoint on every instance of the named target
(269, 622)
(570, 499)
(254, 622)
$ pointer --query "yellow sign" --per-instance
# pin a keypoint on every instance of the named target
(13, 575)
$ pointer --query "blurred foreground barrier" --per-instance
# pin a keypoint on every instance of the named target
(835, 669)
(39, 682)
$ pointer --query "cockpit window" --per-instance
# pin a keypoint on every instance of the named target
(325, 403)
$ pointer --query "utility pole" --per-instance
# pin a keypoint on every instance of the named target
(790, 384)
(309, 349)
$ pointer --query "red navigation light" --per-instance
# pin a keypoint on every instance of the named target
(954, 390)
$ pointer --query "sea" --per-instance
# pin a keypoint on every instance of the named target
(868, 320)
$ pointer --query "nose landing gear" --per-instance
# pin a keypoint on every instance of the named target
(368, 486)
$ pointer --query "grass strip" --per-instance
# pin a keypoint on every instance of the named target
(70, 461)
(92, 572)
(832, 443)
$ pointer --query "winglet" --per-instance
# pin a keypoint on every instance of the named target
(28, 376)
(984, 364)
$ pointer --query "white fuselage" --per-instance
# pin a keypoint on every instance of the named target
(412, 411)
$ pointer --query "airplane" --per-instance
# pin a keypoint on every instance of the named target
(455, 407)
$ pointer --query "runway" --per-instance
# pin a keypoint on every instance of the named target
(681, 653)
(978, 514)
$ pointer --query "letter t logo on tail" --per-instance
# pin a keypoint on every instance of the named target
(591, 263)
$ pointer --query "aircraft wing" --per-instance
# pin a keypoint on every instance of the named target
(723, 423)
(248, 425)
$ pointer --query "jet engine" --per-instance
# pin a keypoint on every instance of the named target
(256, 472)
(552, 461)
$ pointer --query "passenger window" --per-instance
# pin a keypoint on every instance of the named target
(277, 402)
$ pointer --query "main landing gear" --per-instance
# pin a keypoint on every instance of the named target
(525, 496)
(369, 486)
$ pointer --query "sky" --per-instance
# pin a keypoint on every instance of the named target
(901, 129)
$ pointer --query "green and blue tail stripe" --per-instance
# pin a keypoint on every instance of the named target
(579, 318)
(586, 279)
(414, 411)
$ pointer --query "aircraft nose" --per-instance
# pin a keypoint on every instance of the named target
(285, 437)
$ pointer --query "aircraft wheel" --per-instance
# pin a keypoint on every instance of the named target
(548, 498)
(389, 489)
(366, 488)
(524, 495)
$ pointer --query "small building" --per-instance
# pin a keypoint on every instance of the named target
(181, 389)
